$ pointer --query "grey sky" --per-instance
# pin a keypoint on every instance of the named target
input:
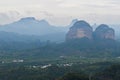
(61, 12)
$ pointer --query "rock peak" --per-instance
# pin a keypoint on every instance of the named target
(103, 31)
(80, 29)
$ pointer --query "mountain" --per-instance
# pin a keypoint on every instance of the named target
(31, 26)
(45, 31)
(116, 28)
(42, 29)
(103, 31)
(80, 29)
(79, 42)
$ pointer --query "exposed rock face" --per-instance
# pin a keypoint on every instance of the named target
(104, 32)
(80, 29)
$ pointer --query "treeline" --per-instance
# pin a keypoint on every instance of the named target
(77, 47)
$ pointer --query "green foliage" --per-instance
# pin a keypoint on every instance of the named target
(54, 72)
(110, 73)
(74, 76)
(77, 47)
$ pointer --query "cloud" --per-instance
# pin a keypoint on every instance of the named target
(50, 9)
(9, 17)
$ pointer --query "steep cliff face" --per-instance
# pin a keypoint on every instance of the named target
(104, 32)
(80, 29)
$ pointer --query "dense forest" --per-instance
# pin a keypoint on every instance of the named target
(78, 59)
(78, 47)
(96, 71)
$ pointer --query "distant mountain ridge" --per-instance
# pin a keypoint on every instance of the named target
(40, 28)
(31, 26)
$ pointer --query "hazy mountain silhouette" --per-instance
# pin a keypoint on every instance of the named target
(31, 26)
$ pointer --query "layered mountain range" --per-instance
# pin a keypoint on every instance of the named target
(44, 31)
(24, 37)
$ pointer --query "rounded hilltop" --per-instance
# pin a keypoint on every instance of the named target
(103, 31)
(80, 29)
(81, 24)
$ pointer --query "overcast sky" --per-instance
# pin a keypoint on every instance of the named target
(61, 12)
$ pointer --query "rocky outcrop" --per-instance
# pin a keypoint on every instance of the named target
(80, 29)
(104, 32)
